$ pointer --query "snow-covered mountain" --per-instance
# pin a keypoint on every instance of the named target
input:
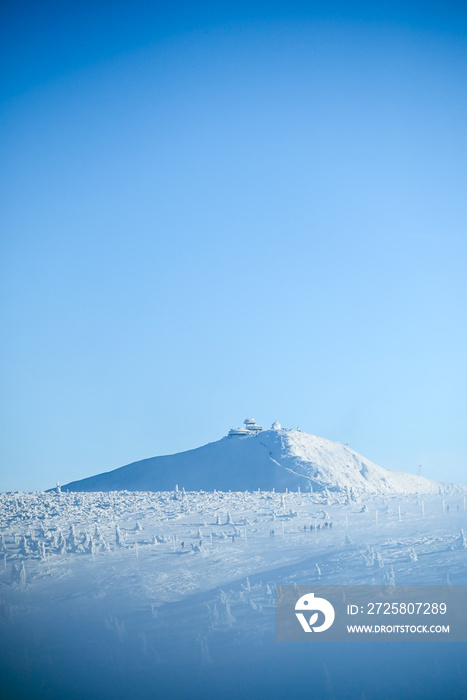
(265, 459)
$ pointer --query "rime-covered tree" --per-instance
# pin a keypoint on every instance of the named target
(24, 547)
(119, 538)
(72, 541)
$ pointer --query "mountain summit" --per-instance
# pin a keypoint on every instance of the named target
(250, 458)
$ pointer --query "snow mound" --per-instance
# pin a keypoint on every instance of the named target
(273, 459)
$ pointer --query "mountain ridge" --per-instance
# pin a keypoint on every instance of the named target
(270, 459)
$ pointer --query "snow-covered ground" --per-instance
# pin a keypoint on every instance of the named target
(172, 593)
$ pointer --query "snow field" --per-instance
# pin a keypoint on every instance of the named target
(140, 579)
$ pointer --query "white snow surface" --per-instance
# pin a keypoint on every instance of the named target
(102, 589)
(273, 459)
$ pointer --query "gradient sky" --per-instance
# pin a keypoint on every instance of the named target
(215, 210)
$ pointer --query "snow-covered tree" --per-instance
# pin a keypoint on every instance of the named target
(247, 585)
(42, 552)
(18, 574)
(86, 543)
(379, 561)
(226, 618)
(61, 543)
(369, 556)
(72, 540)
(24, 548)
(389, 577)
(119, 538)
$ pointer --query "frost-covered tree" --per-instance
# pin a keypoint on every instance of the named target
(62, 548)
(42, 552)
(412, 555)
(33, 543)
(369, 556)
(72, 541)
(119, 538)
(462, 541)
(24, 547)
(379, 561)
(389, 577)
(61, 543)
(87, 542)
(18, 574)
(225, 616)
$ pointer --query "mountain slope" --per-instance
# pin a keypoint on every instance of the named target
(276, 459)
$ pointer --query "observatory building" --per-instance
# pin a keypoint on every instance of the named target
(251, 428)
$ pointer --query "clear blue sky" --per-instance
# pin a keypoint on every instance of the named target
(210, 210)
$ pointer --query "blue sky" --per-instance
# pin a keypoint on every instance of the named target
(209, 211)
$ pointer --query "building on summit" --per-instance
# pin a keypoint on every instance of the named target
(251, 428)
